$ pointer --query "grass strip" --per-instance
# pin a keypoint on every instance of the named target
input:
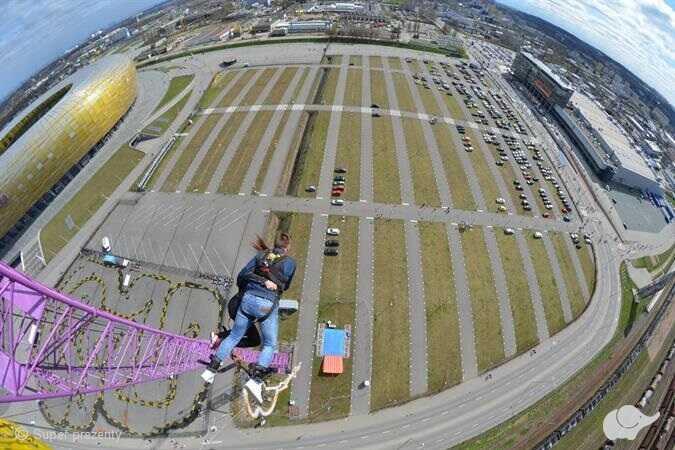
(91, 196)
(236, 89)
(391, 341)
(330, 87)
(163, 122)
(548, 287)
(282, 84)
(378, 89)
(443, 347)
(176, 86)
(262, 173)
(330, 396)
(353, 93)
(311, 170)
(251, 97)
(387, 186)
(462, 198)
(405, 99)
(349, 153)
(218, 83)
(394, 63)
(299, 227)
(424, 180)
(574, 293)
(484, 302)
(522, 309)
(236, 170)
(202, 177)
(189, 153)
(487, 183)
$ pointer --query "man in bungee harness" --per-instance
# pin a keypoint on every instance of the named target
(261, 283)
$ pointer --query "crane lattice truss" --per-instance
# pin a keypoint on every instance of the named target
(52, 345)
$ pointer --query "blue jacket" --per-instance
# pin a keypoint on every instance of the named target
(248, 281)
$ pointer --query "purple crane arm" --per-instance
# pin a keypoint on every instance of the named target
(40, 326)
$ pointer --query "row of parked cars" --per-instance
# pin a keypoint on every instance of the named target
(332, 244)
(338, 187)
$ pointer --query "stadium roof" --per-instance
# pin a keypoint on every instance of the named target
(547, 70)
(626, 154)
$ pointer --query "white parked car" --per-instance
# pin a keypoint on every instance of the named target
(500, 201)
(508, 231)
(538, 235)
(333, 231)
(337, 202)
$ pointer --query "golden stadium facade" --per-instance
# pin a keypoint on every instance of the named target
(41, 145)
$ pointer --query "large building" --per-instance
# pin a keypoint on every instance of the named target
(541, 81)
(604, 144)
(41, 146)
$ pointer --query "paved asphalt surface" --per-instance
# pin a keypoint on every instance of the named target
(438, 421)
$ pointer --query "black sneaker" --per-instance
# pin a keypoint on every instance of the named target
(214, 364)
(260, 373)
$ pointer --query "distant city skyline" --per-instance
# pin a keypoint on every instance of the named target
(639, 34)
(36, 32)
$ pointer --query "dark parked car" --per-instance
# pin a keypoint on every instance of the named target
(330, 252)
(340, 170)
(332, 243)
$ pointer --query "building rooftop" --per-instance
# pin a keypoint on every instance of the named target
(626, 154)
(547, 70)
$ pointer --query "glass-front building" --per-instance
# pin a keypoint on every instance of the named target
(51, 136)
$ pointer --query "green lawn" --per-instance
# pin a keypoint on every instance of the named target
(260, 179)
(330, 86)
(405, 99)
(378, 89)
(487, 183)
(252, 96)
(281, 86)
(301, 82)
(91, 196)
(353, 93)
(299, 227)
(375, 61)
(424, 181)
(311, 171)
(176, 86)
(454, 108)
(236, 170)
(429, 99)
(587, 261)
(515, 431)
(391, 341)
(237, 88)
(394, 63)
(331, 395)
(519, 292)
(349, 153)
(443, 346)
(574, 293)
(656, 263)
(162, 165)
(484, 302)
(462, 198)
(163, 122)
(202, 177)
(547, 285)
(189, 153)
(218, 83)
(387, 187)
(356, 60)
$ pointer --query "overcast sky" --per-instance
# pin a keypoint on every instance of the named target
(35, 32)
(640, 34)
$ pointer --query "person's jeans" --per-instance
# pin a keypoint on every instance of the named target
(255, 307)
